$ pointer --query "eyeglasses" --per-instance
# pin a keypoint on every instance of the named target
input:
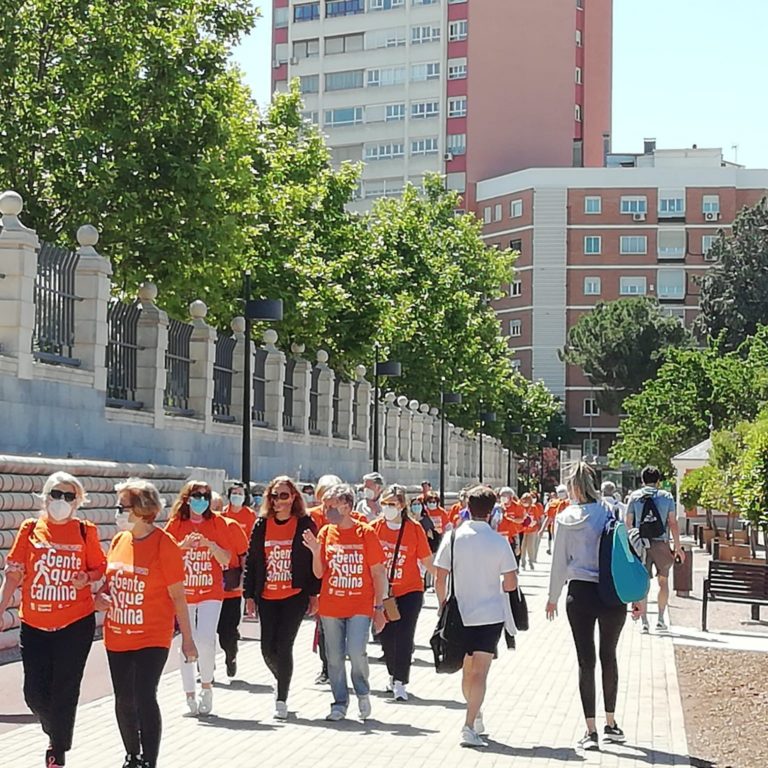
(120, 508)
(283, 495)
(56, 494)
(200, 495)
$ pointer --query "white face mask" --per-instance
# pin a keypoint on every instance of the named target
(123, 521)
(432, 505)
(390, 512)
(58, 509)
(236, 499)
(562, 495)
(506, 500)
(369, 494)
(308, 498)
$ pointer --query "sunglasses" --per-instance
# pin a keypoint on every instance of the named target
(200, 495)
(66, 495)
(283, 495)
(122, 510)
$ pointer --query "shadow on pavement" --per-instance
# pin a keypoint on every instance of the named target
(547, 753)
(243, 685)
(447, 703)
(655, 756)
(234, 724)
(18, 719)
(370, 726)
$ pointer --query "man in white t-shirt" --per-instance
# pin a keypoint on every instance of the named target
(484, 570)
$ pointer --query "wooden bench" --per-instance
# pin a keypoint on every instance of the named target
(736, 583)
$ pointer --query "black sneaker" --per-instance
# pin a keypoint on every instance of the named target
(588, 742)
(614, 733)
(133, 761)
(231, 667)
(52, 760)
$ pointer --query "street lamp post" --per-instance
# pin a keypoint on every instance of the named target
(486, 417)
(446, 398)
(254, 309)
(384, 368)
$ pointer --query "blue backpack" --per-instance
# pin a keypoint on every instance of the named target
(623, 577)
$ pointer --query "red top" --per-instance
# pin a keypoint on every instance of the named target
(413, 547)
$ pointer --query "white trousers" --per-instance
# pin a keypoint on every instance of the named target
(204, 618)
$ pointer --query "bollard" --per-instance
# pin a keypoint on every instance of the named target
(682, 575)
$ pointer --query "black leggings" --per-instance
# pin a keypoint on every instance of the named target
(135, 677)
(229, 626)
(397, 636)
(53, 670)
(584, 608)
(280, 622)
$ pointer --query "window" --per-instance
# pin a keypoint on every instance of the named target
(706, 243)
(425, 109)
(306, 12)
(676, 312)
(633, 244)
(516, 289)
(345, 116)
(280, 17)
(384, 188)
(497, 212)
(577, 113)
(309, 83)
(591, 447)
(515, 364)
(578, 75)
(457, 69)
(341, 81)
(306, 49)
(344, 43)
(424, 2)
(487, 214)
(385, 5)
(457, 107)
(590, 407)
(670, 283)
(394, 112)
(710, 204)
(384, 151)
(516, 245)
(457, 30)
(344, 7)
(385, 38)
(425, 34)
(633, 205)
(456, 2)
(280, 55)
(671, 243)
(632, 286)
(577, 154)
(457, 144)
(578, 38)
(580, 5)
(426, 146)
(311, 116)
(281, 86)
(592, 286)
(515, 328)
(593, 244)
(671, 204)
(420, 72)
(593, 204)
(516, 209)
(385, 77)
(351, 152)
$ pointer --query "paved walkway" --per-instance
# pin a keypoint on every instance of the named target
(532, 711)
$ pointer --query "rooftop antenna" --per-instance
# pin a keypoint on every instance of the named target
(735, 148)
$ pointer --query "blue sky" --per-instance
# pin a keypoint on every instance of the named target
(685, 72)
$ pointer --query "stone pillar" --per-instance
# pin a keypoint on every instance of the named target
(433, 450)
(202, 351)
(18, 262)
(427, 434)
(152, 340)
(238, 368)
(453, 453)
(391, 423)
(274, 375)
(417, 431)
(325, 385)
(302, 382)
(404, 430)
(363, 407)
(92, 285)
(344, 421)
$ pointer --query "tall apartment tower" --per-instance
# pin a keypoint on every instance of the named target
(468, 88)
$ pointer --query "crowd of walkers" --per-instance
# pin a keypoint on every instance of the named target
(355, 561)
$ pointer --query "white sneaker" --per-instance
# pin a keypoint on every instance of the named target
(335, 715)
(399, 692)
(470, 738)
(206, 701)
(645, 628)
(364, 703)
(661, 625)
(191, 707)
(480, 725)
(390, 684)
(281, 710)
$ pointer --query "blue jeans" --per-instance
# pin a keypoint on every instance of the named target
(347, 637)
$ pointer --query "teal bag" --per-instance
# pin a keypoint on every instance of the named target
(623, 577)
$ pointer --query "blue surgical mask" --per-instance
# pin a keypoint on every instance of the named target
(416, 508)
(257, 500)
(198, 506)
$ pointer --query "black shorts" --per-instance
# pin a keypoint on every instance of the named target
(483, 638)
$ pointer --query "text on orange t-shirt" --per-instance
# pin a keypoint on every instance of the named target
(439, 518)
(413, 548)
(278, 546)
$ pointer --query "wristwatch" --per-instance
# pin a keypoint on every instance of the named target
(378, 607)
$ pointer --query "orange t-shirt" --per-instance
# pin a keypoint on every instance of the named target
(238, 548)
(318, 516)
(413, 547)
(139, 572)
(49, 555)
(555, 507)
(348, 555)
(439, 518)
(203, 578)
(245, 516)
(529, 524)
(278, 545)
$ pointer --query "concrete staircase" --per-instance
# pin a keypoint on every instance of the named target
(21, 477)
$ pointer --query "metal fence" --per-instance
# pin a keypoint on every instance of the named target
(288, 392)
(121, 354)
(260, 388)
(177, 362)
(314, 399)
(223, 368)
(54, 294)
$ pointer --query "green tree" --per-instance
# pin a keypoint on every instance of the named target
(733, 291)
(620, 345)
(751, 478)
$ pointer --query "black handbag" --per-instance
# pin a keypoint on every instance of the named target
(447, 639)
(519, 607)
(233, 578)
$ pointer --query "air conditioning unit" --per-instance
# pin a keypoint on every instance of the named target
(448, 156)
(638, 217)
(294, 61)
(711, 216)
(275, 64)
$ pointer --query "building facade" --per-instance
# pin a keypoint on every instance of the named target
(467, 88)
(641, 226)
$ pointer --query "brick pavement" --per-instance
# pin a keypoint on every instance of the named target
(532, 711)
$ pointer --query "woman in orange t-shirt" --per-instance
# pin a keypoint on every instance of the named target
(143, 592)
(406, 548)
(206, 544)
(279, 577)
(529, 532)
(348, 557)
(54, 559)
